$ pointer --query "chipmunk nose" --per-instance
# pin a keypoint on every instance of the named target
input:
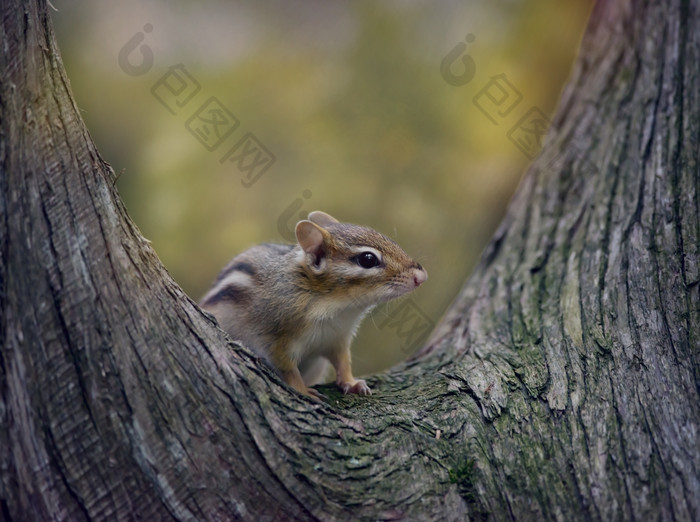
(419, 276)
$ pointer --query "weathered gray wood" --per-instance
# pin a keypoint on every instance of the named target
(561, 384)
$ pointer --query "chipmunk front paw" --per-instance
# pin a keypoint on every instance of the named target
(359, 387)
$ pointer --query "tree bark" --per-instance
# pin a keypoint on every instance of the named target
(563, 382)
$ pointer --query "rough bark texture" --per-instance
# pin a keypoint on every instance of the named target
(562, 383)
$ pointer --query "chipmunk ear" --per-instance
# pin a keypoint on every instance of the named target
(321, 218)
(312, 239)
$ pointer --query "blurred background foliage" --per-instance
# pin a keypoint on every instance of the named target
(350, 100)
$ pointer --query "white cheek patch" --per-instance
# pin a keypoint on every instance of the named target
(350, 269)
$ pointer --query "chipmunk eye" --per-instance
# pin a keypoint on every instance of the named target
(367, 260)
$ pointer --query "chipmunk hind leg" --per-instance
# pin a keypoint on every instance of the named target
(289, 370)
(314, 370)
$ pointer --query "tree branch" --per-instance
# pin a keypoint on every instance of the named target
(562, 383)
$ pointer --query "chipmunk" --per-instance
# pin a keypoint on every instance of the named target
(298, 306)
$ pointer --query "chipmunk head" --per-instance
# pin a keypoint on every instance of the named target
(351, 264)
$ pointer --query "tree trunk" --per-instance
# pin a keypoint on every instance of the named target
(562, 383)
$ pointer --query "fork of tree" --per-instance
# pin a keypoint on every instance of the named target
(561, 384)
